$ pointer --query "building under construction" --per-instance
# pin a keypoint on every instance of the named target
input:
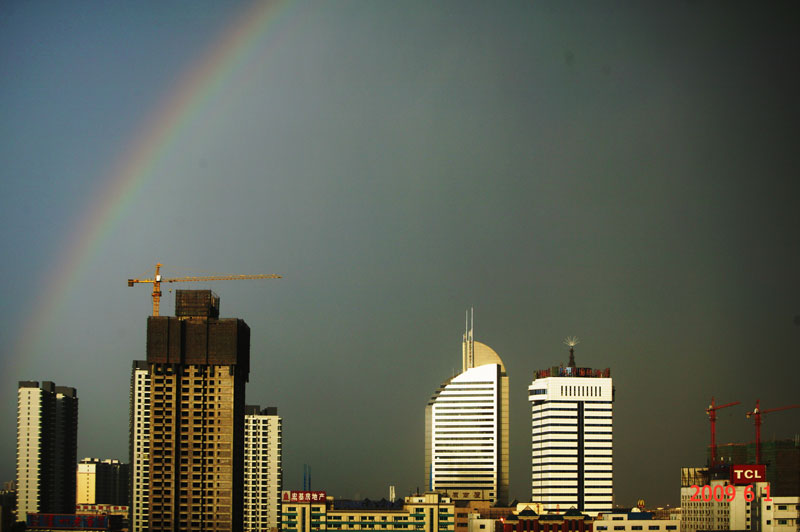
(199, 364)
(781, 457)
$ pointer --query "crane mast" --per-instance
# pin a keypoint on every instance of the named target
(712, 416)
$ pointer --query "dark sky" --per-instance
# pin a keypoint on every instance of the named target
(625, 172)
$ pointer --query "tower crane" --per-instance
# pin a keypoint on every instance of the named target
(712, 416)
(157, 280)
(757, 413)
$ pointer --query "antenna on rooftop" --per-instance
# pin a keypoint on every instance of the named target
(571, 342)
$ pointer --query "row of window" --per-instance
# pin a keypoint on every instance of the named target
(638, 527)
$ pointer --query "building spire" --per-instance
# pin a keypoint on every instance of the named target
(468, 343)
(571, 342)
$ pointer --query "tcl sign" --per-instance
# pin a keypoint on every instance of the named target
(747, 474)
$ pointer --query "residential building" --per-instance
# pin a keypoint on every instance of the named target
(262, 469)
(307, 511)
(572, 438)
(467, 429)
(102, 482)
(47, 446)
(199, 365)
(139, 446)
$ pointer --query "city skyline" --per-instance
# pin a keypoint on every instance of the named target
(624, 173)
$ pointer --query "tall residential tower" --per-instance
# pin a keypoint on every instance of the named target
(199, 364)
(262, 469)
(572, 451)
(139, 446)
(466, 428)
(47, 448)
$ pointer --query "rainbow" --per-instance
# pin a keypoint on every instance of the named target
(135, 168)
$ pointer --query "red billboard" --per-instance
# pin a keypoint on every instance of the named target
(747, 474)
(303, 496)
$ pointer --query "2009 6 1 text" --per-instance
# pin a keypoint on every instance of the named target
(720, 493)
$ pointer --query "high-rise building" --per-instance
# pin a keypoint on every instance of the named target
(199, 365)
(139, 446)
(466, 428)
(47, 448)
(262, 469)
(572, 456)
(102, 482)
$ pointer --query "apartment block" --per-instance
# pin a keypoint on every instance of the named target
(263, 480)
(47, 446)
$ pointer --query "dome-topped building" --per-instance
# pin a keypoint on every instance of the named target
(466, 428)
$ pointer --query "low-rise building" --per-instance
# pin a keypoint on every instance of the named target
(528, 520)
(307, 511)
(781, 514)
(634, 521)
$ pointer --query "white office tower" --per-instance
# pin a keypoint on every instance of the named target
(572, 440)
(466, 428)
(47, 446)
(262, 469)
(139, 446)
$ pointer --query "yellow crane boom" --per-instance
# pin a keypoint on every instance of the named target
(157, 280)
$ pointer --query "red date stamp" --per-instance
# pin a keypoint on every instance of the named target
(720, 493)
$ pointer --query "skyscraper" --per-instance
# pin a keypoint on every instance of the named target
(199, 365)
(262, 469)
(572, 451)
(47, 448)
(466, 428)
(139, 446)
